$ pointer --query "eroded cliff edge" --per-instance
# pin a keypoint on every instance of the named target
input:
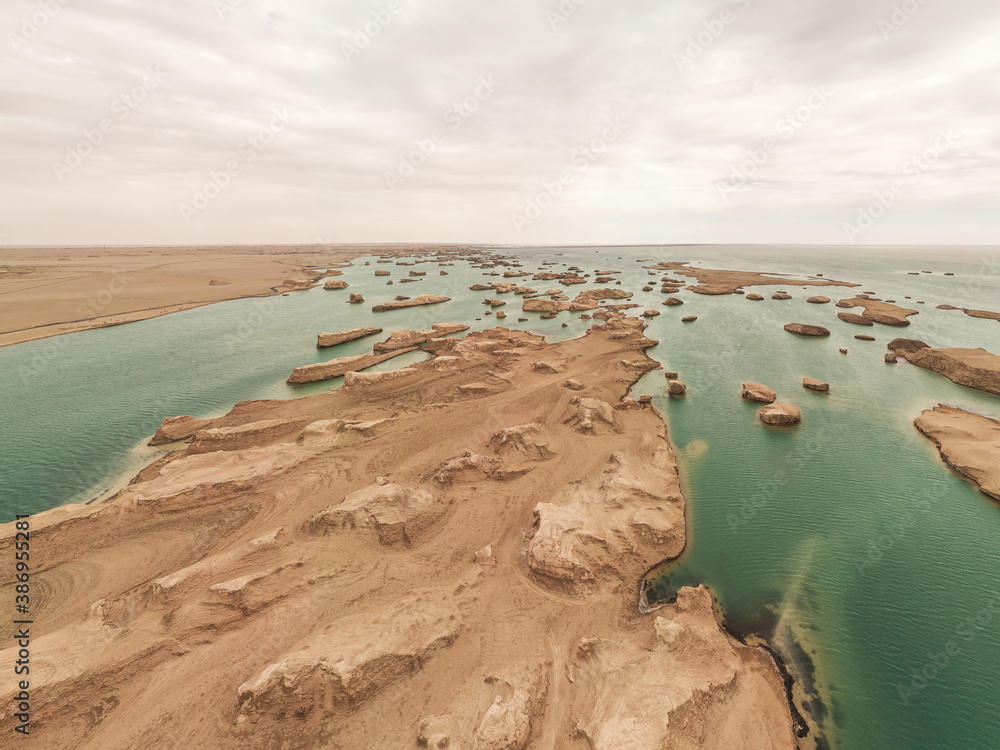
(447, 555)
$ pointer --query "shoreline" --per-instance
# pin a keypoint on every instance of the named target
(106, 280)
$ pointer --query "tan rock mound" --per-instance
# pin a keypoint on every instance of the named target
(815, 385)
(633, 507)
(241, 437)
(336, 284)
(780, 414)
(758, 392)
(650, 313)
(855, 318)
(974, 368)
(352, 659)
(906, 345)
(358, 299)
(383, 273)
(522, 441)
(755, 297)
(781, 295)
(178, 428)
(366, 379)
(690, 669)
(325, 340)
(395, 513)
(405, 339)
(880, 312)
(689, 319)
(340, 366)
(676, 388)
(803, 329)
(590, 415)
(423, 299)
(969, 443)
(818, 300)
(864, 337)
(673, 301)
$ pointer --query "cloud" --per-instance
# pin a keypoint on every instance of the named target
(700, 88)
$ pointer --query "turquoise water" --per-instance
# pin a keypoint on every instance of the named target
(845, 540)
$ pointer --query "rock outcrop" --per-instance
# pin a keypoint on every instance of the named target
(780, 414)
(758, 392)
(815, 385)
(734, 692)
(350, 660)
(336, 284)
(804, 329)
(858, 320)
(395, 514)
(423, 299)
(974, 368)
(969, 443)
(340, 366)
(406, 339)
(880, 312)
(178, 428)
(326, 340)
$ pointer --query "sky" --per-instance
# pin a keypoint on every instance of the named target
(514, 122)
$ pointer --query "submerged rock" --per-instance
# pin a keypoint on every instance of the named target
(803, 329)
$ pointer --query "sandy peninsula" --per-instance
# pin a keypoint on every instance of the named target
(447, 559)
(50, 291)
(968, 442)
(715, 281)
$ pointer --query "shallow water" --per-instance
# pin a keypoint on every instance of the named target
(844, 540)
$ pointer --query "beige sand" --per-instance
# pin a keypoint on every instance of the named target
(453, 558)
(50, 291)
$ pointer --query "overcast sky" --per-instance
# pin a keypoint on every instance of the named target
(589, 121)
